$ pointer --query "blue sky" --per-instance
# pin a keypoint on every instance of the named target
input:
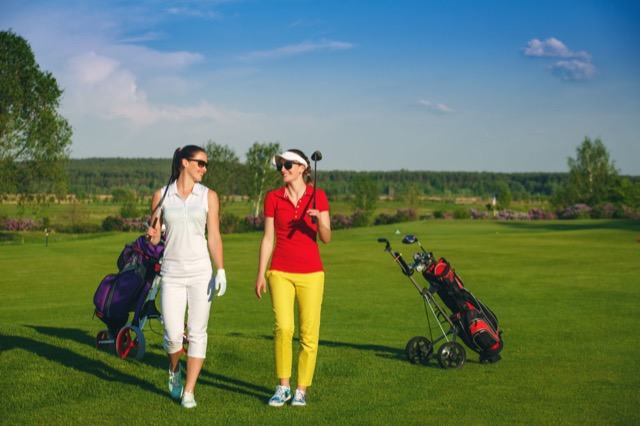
(478, 85)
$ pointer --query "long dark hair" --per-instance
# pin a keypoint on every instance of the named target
(187, 151)
(307, 170)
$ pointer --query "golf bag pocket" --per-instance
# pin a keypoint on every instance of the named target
(447, 283)
(442, 275)
(116, 296)
(484, 336)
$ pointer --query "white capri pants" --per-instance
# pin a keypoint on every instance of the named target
(179, 294)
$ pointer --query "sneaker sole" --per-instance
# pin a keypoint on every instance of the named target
(278, 404)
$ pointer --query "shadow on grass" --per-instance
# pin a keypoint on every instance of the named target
(379, 350)
(68, 358)
(234, 385)
(572, 225)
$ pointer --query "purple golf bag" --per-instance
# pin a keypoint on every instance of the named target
(125, 291)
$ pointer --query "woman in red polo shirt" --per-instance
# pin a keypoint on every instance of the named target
(296, 271)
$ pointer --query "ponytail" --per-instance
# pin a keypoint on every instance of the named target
(307, 170)
(176, 165)
(186, 151)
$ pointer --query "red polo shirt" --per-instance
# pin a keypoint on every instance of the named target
(296, 246)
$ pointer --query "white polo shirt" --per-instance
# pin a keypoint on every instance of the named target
(186, 251)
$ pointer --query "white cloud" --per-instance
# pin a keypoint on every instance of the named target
(296, 49)
(435, 107)
(573, 70)
(574, 66)
(99, 86)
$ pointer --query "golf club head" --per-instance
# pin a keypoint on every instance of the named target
(409, 239)
(316, 156)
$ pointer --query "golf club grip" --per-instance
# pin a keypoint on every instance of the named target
(314, 219)
(403, 264)
(153, 225)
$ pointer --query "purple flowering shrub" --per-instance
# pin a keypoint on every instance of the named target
(119, 223)
(576, 211)
(340, 221)
(541, 214)
(402, 215)
(511, 215)
(13, 224)
(478, 214)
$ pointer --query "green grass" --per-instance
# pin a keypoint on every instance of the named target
(566, 294)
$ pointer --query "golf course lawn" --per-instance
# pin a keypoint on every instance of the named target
(566, 294)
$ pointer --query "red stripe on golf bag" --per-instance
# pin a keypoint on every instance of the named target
(484, 335)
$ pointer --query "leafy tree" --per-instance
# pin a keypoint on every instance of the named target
(592, 173)
(260, 173)
(223, 172)
(592, 176)
(34, 138)
(503, 196)
(410, 195)
(365, 194)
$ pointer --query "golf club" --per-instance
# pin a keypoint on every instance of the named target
(156, 211)
(316, 156)
(412, 239)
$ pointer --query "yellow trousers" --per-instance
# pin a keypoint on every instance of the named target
(307, 289)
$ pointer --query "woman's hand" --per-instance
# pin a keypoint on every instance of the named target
(152, 235)
(221, 282)
(261, 287)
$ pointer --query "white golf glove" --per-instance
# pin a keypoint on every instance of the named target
(221, 282)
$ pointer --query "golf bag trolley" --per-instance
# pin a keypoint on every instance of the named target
(132, 289)
(468, 318)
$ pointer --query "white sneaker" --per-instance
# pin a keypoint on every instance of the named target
(188, 400)
(282, 395)
(299, 399)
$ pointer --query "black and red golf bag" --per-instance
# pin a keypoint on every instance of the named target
(477, 325)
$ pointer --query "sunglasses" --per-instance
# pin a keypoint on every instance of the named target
(287, 165)
(201, 163)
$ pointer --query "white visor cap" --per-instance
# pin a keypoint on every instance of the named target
(288, 156)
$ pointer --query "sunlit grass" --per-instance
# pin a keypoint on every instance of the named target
(565, 293)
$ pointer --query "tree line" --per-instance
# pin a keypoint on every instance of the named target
(100, 176)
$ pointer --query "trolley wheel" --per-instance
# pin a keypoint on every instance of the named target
(104, 341)
(452, 355)
(419, 350)
(130, 342)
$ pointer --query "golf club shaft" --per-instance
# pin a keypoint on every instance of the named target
(156, 211)
(314, 219)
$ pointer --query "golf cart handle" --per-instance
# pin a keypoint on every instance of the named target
(397, 257)
(386, 242)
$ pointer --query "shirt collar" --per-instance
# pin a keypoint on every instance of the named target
(282, 192)
(173, 188)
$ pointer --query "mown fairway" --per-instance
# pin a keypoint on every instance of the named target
(566, 294)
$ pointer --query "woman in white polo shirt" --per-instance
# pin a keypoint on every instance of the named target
(189, 211)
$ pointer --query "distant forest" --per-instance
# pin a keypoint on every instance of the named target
(100, 176)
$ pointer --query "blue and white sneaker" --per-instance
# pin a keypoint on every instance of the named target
(282, 395)
(299, 398)
(175, 383)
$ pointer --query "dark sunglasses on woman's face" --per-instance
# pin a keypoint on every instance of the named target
(287, 165)
(201, 163)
